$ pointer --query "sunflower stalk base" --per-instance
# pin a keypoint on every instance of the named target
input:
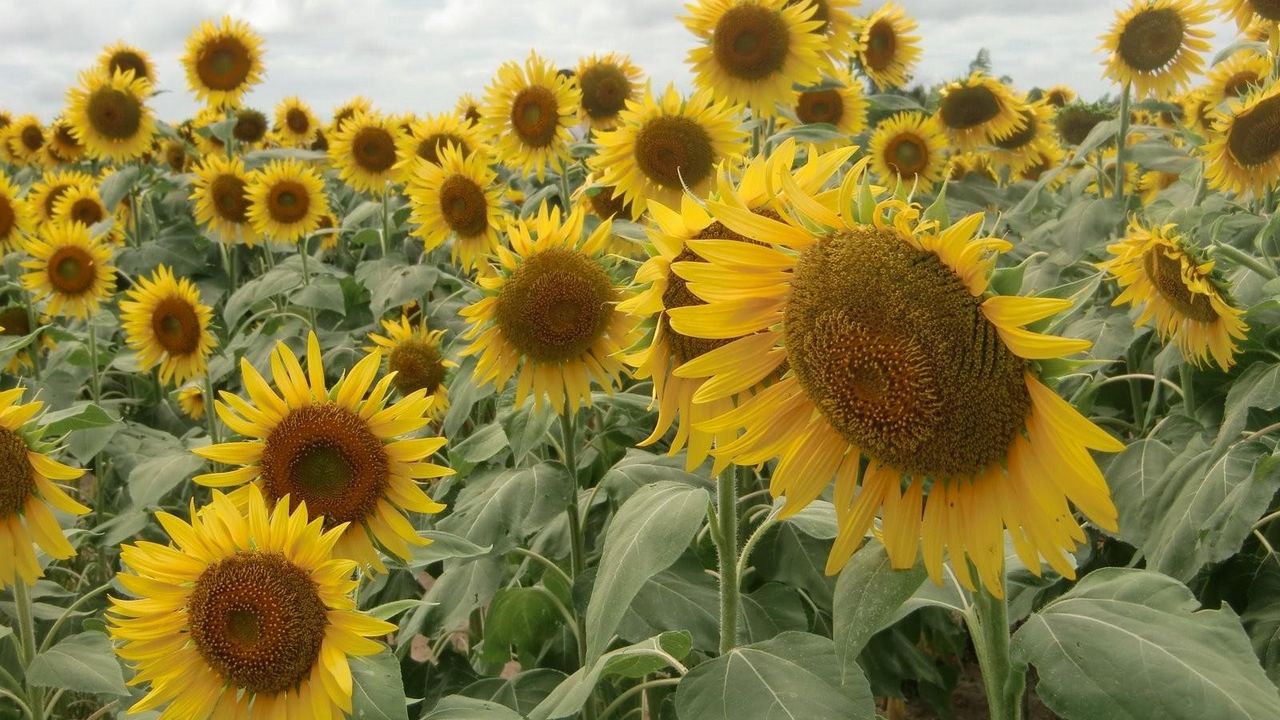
(27, 632)
(988, 621)
(726, 538)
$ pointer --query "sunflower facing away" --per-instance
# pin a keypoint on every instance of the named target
(1176, 292)
(887, 51)
(528, 112)
(220, 193)
(550, 313)
(663, 146)
(1156, 46)
(843, 105)
(427, 139)
(223, 61)
(342, 450)
(192, 402)
(896, 353)
(16, 217)
(753, 51)
(607, 83)
(246, 613)
(110, 117)
(364, 151)
(295, 124)
(979, 110)
(1244, 150)
(123, 57)
(457, 198)
(415, 356)
(70, 268)
(910, 149)
(286, 200)
(167, 325)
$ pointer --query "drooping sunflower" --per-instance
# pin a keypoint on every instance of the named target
(1019, 149)
(295, 124)
(62, 146)
(896, 354)
(1250, 13)
(843, 104)
(53, 185)
(16, 216)
(286, 200)
(1244, 150)
(979, 110)
(887, 51)
(70, 268)
(223, 61)
(109, 115)
(123, 57)
(607, 83)
(1075, 121)
(909, 148)
(364, 151)
(460, 199)
(1156, 45)
(1176, 291)
(28, 492)
(246, 613)
(192, 402)
(427, 138)
(26, 139)
(220, 192)
(753, 51)
(550, 313)
(468, 108)
(1236, 77)
(663, 146)
(167, 325)
(341, 450)
(415, 356)
(527, 114)
(84, 205)
(1058, 96)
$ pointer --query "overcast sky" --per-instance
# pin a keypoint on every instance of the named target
(419, 55)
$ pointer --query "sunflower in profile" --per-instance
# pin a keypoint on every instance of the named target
(1075, 121)
(29, 491)
(84, 205)
(416, 359)
(123, 57)
(16, 216)
(458, 198)
(753, 51)
(910, 149)
(70, 268)
(427, 138)
(1156, 45)
(1236, 77)
(887, 49)
(246, 613)
(663, 146)
(62, 146)
(1046, 157)
(167, 325)
(344, 450)
(223, 61)
(842, 104)
(329, 230)
(286, 201)
(364, 152)
(528, 112)
(897, 354)
(1243, 152)
(192, 402)
(1250, 14)
(1154, 182)
(1058, 96)
(26, 139)
(970, 166)
(607, 83)
(220, 192)
(1019, 149)
(1176, 291)
(468, 108)
(44, 195)
(295, 124)
(979, 110)
(550, 313)
(110, 117)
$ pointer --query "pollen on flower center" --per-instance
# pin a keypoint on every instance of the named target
(556, 305)
(17, 482)
(1166, 275)
(1152, 39)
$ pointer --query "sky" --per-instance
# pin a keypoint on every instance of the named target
(420, 55)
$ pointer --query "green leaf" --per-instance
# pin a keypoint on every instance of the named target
(1258, 387)
(639, 468)
(868, 593)
(794, 675)
(82, 662)
(511, 505)
(117, 185)
(456, 707)
(633, 661)
(377, 690)
(521, 693)
(276, 281)
(80, 416)
(1134, 477)
(458, 591)
(445, 546)
(386, 611)
(1131, 644)
(151, 480)
(650, 531)
(482, 444)
(392, 281)
(364, 211)
(518, 616)
(323, 293)
(893, 103)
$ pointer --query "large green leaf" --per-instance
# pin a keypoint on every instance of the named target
(633, 661)
(639, 468)
(1132, 645)
(520, 616)
(1258, 387)
(1134, 476)
(152, 479)
(868, 593)
(456, 707)
(377, 691)
(83, 662)
(511, 505)
(521, 693)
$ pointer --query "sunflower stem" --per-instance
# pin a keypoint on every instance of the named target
(210, 416)
(1188, 388)
(27, 629)
(1240, 257)
(32, 350)
(95, 383)
(1120, 143)
(386, 220)
(577, 543)
(306, 278)
(988, 620)
(727, 552)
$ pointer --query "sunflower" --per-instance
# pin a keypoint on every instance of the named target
(286, 200)
(349, 109)
(895, 353)
(84, 205)
(1156, 45)
(528, 112)
(1131, 175)
(666, 145)
(220, 192)
(329, 230)
(62, 145)
(364, 152)
(123, 57)
(28, 492)
(887, 50)
(341, 452)
(25, 140)
(468, 108)
(53, 185)
(1251, 13)
(109, 115)
(550, 313)
(192, 402)
(1019, 149)
(970, 165)
(70, 268)
(223, 61)
(15, 322)
(1173, 288)
(837, 26)
(295, 124)
(753, 51)
(427, 138)
(979, 110)
(166, 324)
(175, 155)
(1243, 152)
(843, 105)
(603, 201)
(1046, 156)
(415, 358)
(250, 127)
(1058, 96)
(16, 217)
(458, 198)
(1154, 182)
(909, 149)
(203, 136)
(1236, 77)
(607, 83)
(247, 613)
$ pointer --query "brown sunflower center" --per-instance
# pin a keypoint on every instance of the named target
(1238, 85)
(882, 45)
(328, 457)
(175, 155)
(605, 204)
(374, 149)
(820, 106)
(605, 89)
(1056, 98)
(288, 201)
(417, 365)
(897, 355)
(969, 107)
(1042, 165)
(176, 326)
(71, 270)
(17, 479)
(114, 113)
(1074, 123)
(431, 147)
(8, 216)
(556, 305)
(1267, 9)
(297, 120)
(1021, 138)
(907, 154)
(535, 116)
(230, 198)
(1254, 137)
(32, 137)
(673, 150)
(472, 115)
(1165, 274)
(678, 295)
(224, 64)
(87, 211)
(14, 321)
(1152, 39)
(751, 42)
(258, 620)
(62, 134)
(251, 126)
(128, 61)
(464, 206)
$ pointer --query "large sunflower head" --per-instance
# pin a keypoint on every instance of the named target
(909, 149)
(62, 146)
(16, 216)
(417, 360)
(123, 57)
(220, 192)
(753, 51)
(167, 325)
(295, 125)
(1156, 46)
(1236, 77)
(427, 139)
(666, 145)
(607, 83)
(364, 151)
(528, 112)
(979, 110)
(70, 268)
(25, 139)
(468, 108)
(898, 354)
(1175, 290)
(842, 104)
(84, 205)
(1244, 150)
(458, 198)
(344, 450)
(1252, 13)
(286, 200)
(109, 115)
(1197, 111)
(28, 491)
(550, 313)
(887, 49)
(246, 613)
(46, 193)
(223, 61)
(969, 166)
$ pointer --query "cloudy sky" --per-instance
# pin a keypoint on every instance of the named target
(419, 55)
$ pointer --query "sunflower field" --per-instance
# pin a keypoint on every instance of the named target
(795, 389)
